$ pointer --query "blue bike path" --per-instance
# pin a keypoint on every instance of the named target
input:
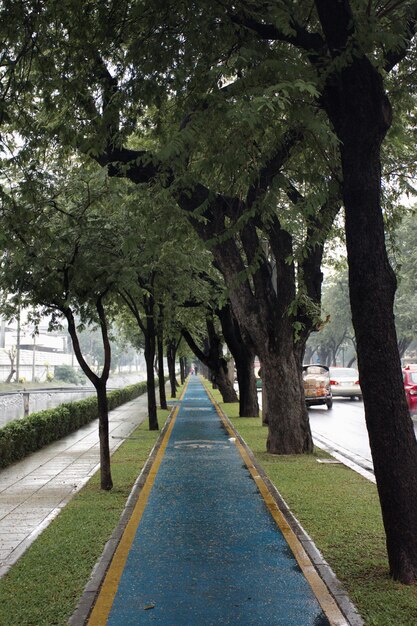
(202, 548)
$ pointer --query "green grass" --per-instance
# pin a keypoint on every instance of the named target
(44, 586)
(340, 510)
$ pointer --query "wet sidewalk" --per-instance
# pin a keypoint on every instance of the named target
(205, 543)
(33, 491)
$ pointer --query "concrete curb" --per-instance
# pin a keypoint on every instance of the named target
(85, 605)
(324, 570)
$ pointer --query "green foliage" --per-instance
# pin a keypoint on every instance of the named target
(21, 437)
(68, 374)
(336, 331)
(336, 334)
(404, 258)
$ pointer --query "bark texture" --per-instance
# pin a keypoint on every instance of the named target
(171, 357)
(150, 349)
(161, 373)
(361, 115)
(243, 354)
(106, 481)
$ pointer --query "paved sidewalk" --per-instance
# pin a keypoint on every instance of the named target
(34, 490)
(206, 543)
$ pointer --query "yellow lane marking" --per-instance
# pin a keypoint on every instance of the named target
(104, 602)
(324, 597)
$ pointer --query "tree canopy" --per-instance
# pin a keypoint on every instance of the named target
(259, 120)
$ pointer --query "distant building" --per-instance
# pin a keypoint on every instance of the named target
(36, 355)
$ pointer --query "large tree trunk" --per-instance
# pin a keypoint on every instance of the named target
(223, 382)
(361, 115)
(262, 311)
(150, 377)
(248, 394)
(244, 356)
(290, 433)
(161, 373)
(106, 481)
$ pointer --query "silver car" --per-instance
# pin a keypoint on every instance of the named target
(344, 382)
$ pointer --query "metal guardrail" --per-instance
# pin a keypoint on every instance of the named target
(53, 390)
(25, 393)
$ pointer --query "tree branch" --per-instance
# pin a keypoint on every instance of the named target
(337, 21)
(132, 306)
(393, 57)
(194, 347)
(300, 37)
(95, 380)
(105, 337)
(273, 166)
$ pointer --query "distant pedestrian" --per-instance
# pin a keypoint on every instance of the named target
(192, 370)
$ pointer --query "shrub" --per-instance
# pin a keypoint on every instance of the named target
(67, 374)
(21, 437)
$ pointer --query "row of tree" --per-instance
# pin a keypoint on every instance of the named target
(89, 250)
(255, 123)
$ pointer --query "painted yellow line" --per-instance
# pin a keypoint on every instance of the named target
(105, 599)
(324, 597)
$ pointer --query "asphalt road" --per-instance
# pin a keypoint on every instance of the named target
(342, 430)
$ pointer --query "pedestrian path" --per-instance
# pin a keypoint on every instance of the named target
(34, 490)
(202, 547)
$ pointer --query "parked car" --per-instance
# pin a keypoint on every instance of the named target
(317, 385)
(410, 387)
(344, 382)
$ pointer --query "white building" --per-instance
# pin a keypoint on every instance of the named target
(33, 356)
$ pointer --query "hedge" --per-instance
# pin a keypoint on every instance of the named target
(21, 437)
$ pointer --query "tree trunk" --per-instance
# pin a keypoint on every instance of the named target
(100, 384)
(161, 373)
(264, 317)
(150, 375)
(248, 394)
(183, 364)
(244, 355)
(171, 353)
(292, 433)
(223, 382)
(361, 116)
(106, 481)
(10, 376)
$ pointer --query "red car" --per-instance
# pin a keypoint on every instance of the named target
(410, 387)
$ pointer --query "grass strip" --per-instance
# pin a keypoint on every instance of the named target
(44, 586)
(340, 510)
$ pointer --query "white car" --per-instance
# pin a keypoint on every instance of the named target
(344, 382)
